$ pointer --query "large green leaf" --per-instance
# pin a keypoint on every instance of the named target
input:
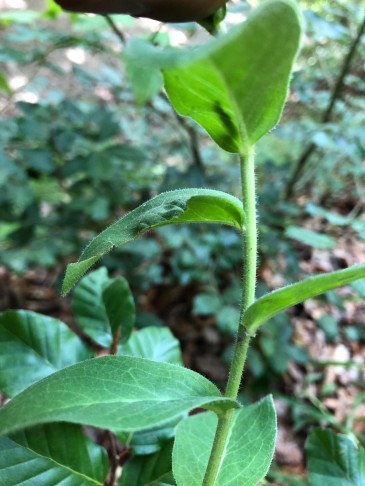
(181, 206)
(274, 302)
(33, 346)
(155, 343)
(52, 454)
(333, 460)
(151, 470)
(248, 453)
(236, 86)
(101, 305)
(113, 392)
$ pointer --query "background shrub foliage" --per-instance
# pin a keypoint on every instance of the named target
(84, 138)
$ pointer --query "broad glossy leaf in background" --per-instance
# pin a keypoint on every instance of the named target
(271, 304)
(247, 456)
(101, 304)
(334, 460)
(155, 343)
(88, 307)
(174, 207)
(113, 392)
(33, 346)
(52, 454)
(120, 307)
(236, 86)
(152, 470)
(149, 441)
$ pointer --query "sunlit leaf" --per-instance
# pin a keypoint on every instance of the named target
(236, 87)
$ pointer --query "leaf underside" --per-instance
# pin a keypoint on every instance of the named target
(236, 87)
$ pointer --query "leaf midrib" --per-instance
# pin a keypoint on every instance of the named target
(242, 128)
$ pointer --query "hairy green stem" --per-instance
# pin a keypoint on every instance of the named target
(248, 297)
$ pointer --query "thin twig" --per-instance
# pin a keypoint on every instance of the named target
(116, 339)
(114, 459)
(194, 142)
(335, 96)
(116, 29)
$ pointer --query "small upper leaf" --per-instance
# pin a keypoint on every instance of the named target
(333, 459)
(33, 346)
(236, 86)
(113, 392)
(248, 453)
(181, 206)
(271, 304)
(52, 454)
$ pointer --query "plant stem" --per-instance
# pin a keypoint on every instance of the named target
(248, 297)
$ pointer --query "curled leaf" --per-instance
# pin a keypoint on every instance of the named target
(174, 207)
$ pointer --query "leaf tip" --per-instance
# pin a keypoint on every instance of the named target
(74, 272)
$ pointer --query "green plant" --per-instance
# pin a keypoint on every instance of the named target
(235, 88)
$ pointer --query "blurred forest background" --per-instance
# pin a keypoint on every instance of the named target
(85, 136)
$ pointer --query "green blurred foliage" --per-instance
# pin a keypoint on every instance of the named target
(77, 151)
